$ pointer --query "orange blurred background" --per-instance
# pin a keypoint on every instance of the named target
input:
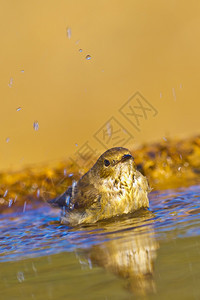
(147, 46)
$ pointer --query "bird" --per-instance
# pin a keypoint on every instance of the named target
(112, 187)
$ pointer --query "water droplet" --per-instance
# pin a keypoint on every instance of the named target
(7, 140)
(6, 192)
(67, 200)
(22, 71)
(24, 208)
(10, 82)
(164, 138)
(10, 202)
(38, 193)
(89, 263)
(76, 145)
(65, 172)
(174, 94)
(80, 50)
(36, 125)
(18, 109)
(77, 42)
(70, 175)
(20, 276)
(69, 33)
(88, 57)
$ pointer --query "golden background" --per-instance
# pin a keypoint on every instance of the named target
(148, 46)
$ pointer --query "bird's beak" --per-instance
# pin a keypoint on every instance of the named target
(126, 157)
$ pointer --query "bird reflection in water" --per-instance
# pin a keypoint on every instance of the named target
(129, 251)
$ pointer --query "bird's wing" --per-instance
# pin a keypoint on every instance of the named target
(62, 200)
(85, 195)
(77, 197)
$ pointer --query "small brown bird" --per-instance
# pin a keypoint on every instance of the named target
(110, 188)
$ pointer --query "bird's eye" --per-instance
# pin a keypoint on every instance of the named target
(106, 162)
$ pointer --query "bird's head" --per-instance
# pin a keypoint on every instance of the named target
(114, 161)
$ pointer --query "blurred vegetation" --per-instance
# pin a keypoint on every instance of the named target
(167, 164)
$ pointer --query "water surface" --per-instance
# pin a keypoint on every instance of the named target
(153, 254)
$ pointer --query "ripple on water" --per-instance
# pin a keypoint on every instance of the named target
(174, 213)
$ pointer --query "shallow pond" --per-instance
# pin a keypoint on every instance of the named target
(151, 254)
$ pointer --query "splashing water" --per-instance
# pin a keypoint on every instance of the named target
(10, 84)
(174, 93)
(34, 245)
(69, 33)
(5, 194)
(88, 57)
(35, 125)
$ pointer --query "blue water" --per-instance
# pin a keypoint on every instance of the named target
(37, 232)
